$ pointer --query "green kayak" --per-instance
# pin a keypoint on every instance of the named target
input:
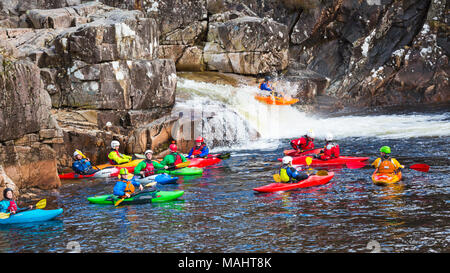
(186, 171)
(140, 198)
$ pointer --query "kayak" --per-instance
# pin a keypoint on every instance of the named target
(140, 198)
(293, 152)
(185, 171)
(342, 160)
(29, 216)
(130, 165)
(275, 100)
(107, 172)
(203, 162)
(313, 180)
(386, 178)
(161, 179)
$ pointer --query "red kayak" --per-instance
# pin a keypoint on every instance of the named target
(203, 162)
(342, 160)
(296, 153)
(313, 180)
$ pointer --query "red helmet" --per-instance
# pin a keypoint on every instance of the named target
(199, 139)
(173, 147)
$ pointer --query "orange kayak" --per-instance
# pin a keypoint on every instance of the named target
(386, 178)
(129, 165)
(275, 100)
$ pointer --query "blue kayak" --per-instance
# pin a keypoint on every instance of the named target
(161, 179)
(35, 215)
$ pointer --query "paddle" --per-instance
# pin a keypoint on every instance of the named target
(308, 161)
(417, 167)
(223, 156)
(39, 205)
(121, 199)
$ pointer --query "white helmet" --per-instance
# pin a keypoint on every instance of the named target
(148, 152)
(310, 134)
(76, 153)
(329, 137)
(115, 143)
(287, 160)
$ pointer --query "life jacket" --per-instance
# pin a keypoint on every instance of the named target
(178, 159)
(308, 145)
(129, 188)
(386, 166)
(331, 150)
(198, 150)
(149, 168)
(112, 162)
(284, 177)
(12, 206)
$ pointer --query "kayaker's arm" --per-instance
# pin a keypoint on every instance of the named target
(114, 157)
(205, 152)
(119, 189)
(190, 152)
(157, 165)
(139, 167)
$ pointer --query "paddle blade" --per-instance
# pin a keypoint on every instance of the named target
(277, 178)
(223, 156)
(308, 160)
(4, 215)
(420, 167)
(183, 165)
(140, 156)
(118, 202)
(355, 165)
(41, 204)
(322, 173)
(151, 184)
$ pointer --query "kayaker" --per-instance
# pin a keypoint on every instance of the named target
(331, 149)
(116, 158)
(8, 205)
(148, 167)
(174, 157)
(125, 187)
(289, 174)
(199, 150)
(304, 143)
(267, 88)
(82, 165)
(386, 164)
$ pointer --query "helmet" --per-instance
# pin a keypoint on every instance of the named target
(310, 133)
(148, 152)
(115, 143)
(76, 153)
(173, 147)
(267, 78)
(287, 160)
(123, 171)
(329, 137)
(385, 149)
(199, 139)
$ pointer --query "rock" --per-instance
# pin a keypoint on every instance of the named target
(6, 182)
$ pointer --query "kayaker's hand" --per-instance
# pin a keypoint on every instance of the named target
(31, 206)
(166, 167)
(141, 187)
(127, 195)
(142, 173)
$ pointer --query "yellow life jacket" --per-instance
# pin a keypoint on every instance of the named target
(284, 177)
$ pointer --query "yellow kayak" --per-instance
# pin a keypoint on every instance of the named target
(127, 165)
(386, 178)
(275, 100)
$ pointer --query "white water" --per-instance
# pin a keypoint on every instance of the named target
(279, 122)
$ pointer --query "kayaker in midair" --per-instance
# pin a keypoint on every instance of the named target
(289, 174)
(147, 167)
(386, 164)
(82, 165)
(174, 158)
(8, 205)
(125, 187)
(330, 151)
(305, 142)
(116, 158)
(199, 150)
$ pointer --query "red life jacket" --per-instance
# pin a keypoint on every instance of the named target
(178, 159)
(302, 143)
(198, 150)
(331, 150)
(12, 206)
(149, 168)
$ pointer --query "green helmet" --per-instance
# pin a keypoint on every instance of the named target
(385, 149)
(123, 171)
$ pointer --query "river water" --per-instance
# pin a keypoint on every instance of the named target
(220, 212)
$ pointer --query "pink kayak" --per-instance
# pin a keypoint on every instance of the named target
(313, 180)
(342, 160)
(203, 162)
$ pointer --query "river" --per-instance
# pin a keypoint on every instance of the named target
(220, 212)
